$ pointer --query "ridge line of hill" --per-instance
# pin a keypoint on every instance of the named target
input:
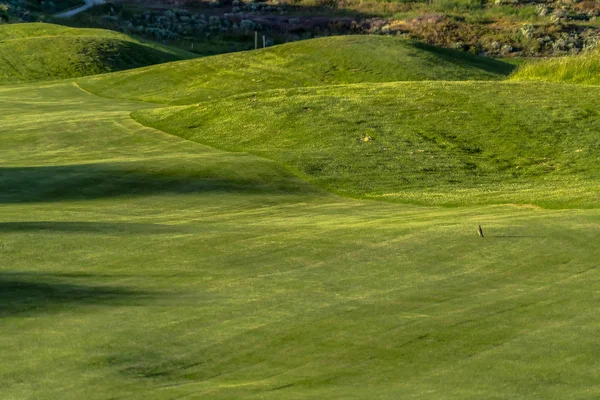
(124, 38)
(47, 52)
(316, 62)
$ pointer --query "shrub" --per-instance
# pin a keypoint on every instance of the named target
(3, 13)
(528, 30)
(247, 25)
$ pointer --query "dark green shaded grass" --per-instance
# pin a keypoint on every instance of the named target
(55, 183)
(318, 62)
(428, 143)
(23, 295)
(38, 52)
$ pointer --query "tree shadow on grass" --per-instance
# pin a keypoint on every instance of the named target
(90, 227)
(27, 294)
(92, 181)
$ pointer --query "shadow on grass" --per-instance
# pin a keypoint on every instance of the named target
(467, 59)
(91, 181)
(26, 294)
(89, 227)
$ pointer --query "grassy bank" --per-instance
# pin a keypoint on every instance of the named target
(326, 61)
(39, 52)
(423, 142)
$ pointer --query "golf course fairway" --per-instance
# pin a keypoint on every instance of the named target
(138, 263)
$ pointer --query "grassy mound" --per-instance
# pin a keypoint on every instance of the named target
(424, 142)
(36, 52)
(583, 69)
(326, 61)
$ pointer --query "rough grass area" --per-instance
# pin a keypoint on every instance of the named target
(582, 69)
(332, 60)
(138, 265)
(38, 52)
(424, 142)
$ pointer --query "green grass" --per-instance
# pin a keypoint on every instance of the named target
(431, 142)
(36, 30)
(332, 60)
(138, 264)
(38, 52)
(582, 69)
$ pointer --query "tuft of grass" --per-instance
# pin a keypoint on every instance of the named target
(580, 69)
(317, 62)
(38, 52)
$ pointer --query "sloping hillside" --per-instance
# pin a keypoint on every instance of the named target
(37, 52)
(583, 69)
(447, 143)
(326, 61)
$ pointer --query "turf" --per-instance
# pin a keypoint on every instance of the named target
(480, 143)
(581, 69)
(331, 60)
(39, 52)
(138, 264)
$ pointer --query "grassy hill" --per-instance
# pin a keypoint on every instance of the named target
(37, 52)
(582, 69)
(318, 62)
(425, 142)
